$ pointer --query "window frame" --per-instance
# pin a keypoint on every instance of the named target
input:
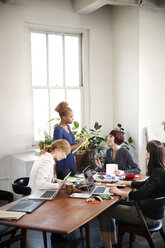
(84, 73)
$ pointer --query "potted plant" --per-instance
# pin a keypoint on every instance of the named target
(94, 147)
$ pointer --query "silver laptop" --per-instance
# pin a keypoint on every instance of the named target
(47, 194)
(92, 189)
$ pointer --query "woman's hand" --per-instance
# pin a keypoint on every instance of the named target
(98, 163)
(80, 141)
(128, 183)
(119, 173)
(117, 191)
(59, 181)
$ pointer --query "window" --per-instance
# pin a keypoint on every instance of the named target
(56, 73)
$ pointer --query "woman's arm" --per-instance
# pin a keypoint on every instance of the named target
(79, 142)
(149, 189)
(57, 133)
(117, 191)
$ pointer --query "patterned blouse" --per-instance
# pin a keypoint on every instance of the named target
(124, 159)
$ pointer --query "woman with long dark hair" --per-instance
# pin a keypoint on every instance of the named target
(152, 187)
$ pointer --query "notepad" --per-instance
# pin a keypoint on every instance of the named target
(76, 149)
(10, 215)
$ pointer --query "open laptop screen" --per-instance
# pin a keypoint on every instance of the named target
(88, 178)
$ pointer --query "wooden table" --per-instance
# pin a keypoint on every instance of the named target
(61, 215)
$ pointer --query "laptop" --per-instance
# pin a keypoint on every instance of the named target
(47, 194)
(26, 205)
(91, 188)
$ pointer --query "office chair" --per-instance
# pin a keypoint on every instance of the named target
(20, 187)
(154, 210)
(7, 197)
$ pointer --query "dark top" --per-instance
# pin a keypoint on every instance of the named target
(61, 133)
(153, 187)
(124, 159)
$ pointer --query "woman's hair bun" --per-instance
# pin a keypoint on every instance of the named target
(62, 108)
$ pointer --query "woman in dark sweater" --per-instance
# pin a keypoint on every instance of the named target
(119, 155)
(152, 187)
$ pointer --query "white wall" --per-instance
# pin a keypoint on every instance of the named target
(126, 51)
(15, 87)
(151, 72)
(138, 71)
(125, 46)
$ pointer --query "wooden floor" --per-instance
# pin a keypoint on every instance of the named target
(34, 240)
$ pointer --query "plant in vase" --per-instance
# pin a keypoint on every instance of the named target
(94, 147)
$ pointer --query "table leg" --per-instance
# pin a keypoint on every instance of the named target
(23, 237)
(88, 235)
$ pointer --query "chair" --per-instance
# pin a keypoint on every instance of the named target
(7, 197)
(155, 210)
(20, 187)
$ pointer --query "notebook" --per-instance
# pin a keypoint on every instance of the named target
(10, 215)
(47, 194)
(92, 189)
(26, 205)
(76, 149)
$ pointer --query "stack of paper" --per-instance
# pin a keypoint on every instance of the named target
(10, 215)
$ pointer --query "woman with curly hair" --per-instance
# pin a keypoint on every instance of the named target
(63, 131)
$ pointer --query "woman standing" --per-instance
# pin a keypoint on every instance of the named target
(119, 155)
(63, 131)
(152, 187)
(41, 175)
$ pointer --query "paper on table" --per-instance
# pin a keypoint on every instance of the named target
(10, 215)
(110, 168)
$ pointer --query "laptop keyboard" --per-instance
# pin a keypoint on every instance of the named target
(99, 190)
(48, 194)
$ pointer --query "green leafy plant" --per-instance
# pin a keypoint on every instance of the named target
(92, 136)
(95, 146)
(127, 143)
(48, 139)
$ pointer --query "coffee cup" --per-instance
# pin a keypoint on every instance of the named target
(69, 187)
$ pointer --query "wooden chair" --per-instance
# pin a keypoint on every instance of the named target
(5, 231)
(154, 210)
(20, 186)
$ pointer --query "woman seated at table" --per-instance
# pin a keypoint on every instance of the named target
(41, 175)
(152, 187)
(119, 155)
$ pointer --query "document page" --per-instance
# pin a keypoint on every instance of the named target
(110, 168)
(9, 215)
